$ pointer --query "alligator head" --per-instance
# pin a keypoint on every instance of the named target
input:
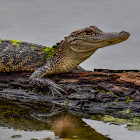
(81, 44)
(92, 38)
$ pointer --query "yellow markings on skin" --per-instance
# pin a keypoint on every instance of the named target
(66, 65)
(17, 55)
(2, 67)
(38, 63)
(21, 65)
(24, 49)
(13, 58)
(10, 61)
(6, 48)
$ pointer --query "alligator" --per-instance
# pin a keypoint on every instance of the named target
(64, 57)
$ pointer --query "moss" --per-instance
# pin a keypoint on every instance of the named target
(111, 92)
(16, 42)
(66, 102)
(128, 99)
(132, 124)
(97, 117)
(33, 47)
(116, 100)
(103, 91)
(50, 51)
(124, 112)
(108, 118)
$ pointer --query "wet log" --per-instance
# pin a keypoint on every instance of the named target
(101, 90)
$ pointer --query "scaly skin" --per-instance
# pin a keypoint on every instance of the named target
(70, 52)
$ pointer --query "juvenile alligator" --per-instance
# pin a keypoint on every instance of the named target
(63, 58)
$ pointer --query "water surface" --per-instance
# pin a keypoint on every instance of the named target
(31, 121)
(28, 121)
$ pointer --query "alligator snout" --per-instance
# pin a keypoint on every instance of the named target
(124, 34)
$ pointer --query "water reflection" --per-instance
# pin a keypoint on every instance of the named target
(70, 126)
(19, 118)
(64, 124)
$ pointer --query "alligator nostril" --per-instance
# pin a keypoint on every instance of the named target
(124, 33)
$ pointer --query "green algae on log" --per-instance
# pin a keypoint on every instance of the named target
(132, 123)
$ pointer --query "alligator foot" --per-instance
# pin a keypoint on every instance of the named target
(55, 89)
(43, 83)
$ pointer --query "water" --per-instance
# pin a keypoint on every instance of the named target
(113, 131)
(29, 121)
(36, 122)
(48, 21)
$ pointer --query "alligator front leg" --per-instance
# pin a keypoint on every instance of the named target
(37, 80)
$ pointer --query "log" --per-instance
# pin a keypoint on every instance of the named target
(100, 91)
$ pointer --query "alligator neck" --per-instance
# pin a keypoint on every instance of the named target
(67, 59)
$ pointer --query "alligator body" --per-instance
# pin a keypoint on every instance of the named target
(62, 58)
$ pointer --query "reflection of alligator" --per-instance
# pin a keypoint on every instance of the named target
(64, 125)
(74, 49)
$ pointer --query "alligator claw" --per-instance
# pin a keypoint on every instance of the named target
(55, 89)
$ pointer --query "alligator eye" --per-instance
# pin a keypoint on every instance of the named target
(88, 30)
(82, 33)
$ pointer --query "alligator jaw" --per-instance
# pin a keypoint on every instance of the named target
(115, 37)
(102, 39)
(110, 39)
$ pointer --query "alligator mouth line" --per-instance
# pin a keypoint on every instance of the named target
(110, 41)
(117, 40)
